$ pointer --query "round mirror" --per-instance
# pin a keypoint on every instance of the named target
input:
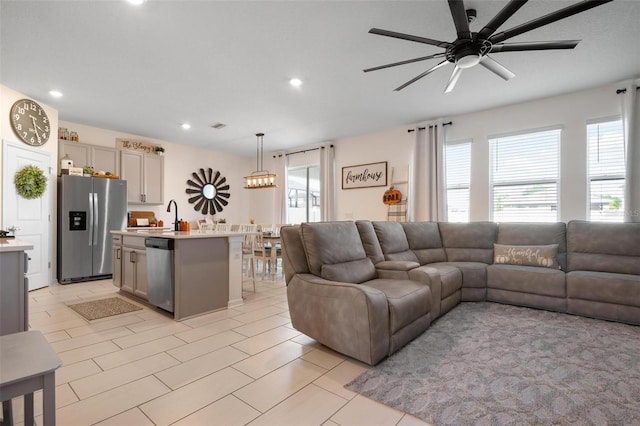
(209, 191)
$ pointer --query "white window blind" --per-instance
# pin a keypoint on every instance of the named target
(458, 176)
(524, 177)
(606, 157)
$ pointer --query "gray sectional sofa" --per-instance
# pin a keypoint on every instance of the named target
(367, 288)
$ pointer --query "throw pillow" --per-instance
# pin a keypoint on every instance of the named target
(544, 256)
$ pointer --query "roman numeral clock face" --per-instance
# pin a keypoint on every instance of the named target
(30, 122)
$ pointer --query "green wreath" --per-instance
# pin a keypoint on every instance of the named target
(30, 182)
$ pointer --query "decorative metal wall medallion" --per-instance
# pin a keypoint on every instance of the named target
(210, 191)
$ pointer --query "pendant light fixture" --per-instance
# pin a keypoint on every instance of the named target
(260, 178)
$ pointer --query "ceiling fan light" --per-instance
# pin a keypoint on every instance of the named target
(468, 61)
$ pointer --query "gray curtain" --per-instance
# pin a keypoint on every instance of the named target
(631, 120)
(427, 200)
(327, 182)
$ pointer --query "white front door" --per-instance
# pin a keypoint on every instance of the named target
(30, 218)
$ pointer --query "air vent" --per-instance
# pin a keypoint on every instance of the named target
(218, 126)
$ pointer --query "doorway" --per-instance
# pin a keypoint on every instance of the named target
(31, 219)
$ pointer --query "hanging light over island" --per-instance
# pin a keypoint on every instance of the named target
(260, 178)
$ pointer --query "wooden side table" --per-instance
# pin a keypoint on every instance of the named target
(28, 363)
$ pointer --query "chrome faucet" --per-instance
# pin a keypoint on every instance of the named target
(176, 225)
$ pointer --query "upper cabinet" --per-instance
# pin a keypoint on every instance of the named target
(101, 158)
(144, 174)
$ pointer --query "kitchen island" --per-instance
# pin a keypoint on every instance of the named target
(207, 268)
(14, 300)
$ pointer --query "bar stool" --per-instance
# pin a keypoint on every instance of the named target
(28, 363)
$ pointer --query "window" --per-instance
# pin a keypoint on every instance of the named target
(606, 170)
(303, 194)
(458, 178)
(524, 177)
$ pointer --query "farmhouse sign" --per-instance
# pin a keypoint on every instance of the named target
(364, 175)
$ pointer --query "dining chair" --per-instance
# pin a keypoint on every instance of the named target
(263, 252)
(223, 227)
(248, 251)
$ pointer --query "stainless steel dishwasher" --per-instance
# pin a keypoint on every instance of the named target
(160, 272)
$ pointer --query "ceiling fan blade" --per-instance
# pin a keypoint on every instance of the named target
(496, 68)
(502, 16)
(547, 19)
(429, 71)
(536, 45)
(455, 75)
(410, 37)
(408, 61)
(459, 16)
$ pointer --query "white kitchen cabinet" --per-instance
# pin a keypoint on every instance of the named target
(144, 174)
(117, 260)
(101, 158)
(14, 299)
(134, 267)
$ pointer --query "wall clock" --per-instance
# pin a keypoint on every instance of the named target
(30, 123)
(209, 191)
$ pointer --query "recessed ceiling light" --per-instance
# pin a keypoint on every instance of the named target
(136, 2)
(185, 126)
(295, 82)
(55, 93)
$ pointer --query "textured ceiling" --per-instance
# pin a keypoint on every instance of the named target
(144, 70)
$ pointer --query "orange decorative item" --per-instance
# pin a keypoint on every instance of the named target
(160, 224)
(392, 196)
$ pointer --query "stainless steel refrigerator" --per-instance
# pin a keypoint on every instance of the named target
(88, 208)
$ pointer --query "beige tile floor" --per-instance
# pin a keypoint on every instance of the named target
(245, 365)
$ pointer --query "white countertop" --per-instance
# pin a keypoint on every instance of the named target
(179, 235)
(13, 244)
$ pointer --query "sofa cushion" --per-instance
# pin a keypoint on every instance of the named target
(333, 243)
(408, 301)
(393, 241)
(544, 256)
(450, 277)
(293, 252)
(425, 242)
(527, 279)
(474, 274)
(469, 242)
(621, 289)
(356, 271)
(370, 241)
(536, 234)
(604, 247)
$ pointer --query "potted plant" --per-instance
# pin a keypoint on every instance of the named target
(88, 171)
(159, 150)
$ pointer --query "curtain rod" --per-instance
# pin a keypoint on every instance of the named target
(624, 90)
(431, 127)
(302, 151)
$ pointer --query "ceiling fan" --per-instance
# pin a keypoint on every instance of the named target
(471, 49)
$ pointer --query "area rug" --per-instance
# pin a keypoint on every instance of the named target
(492, 364)
(103, 308)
